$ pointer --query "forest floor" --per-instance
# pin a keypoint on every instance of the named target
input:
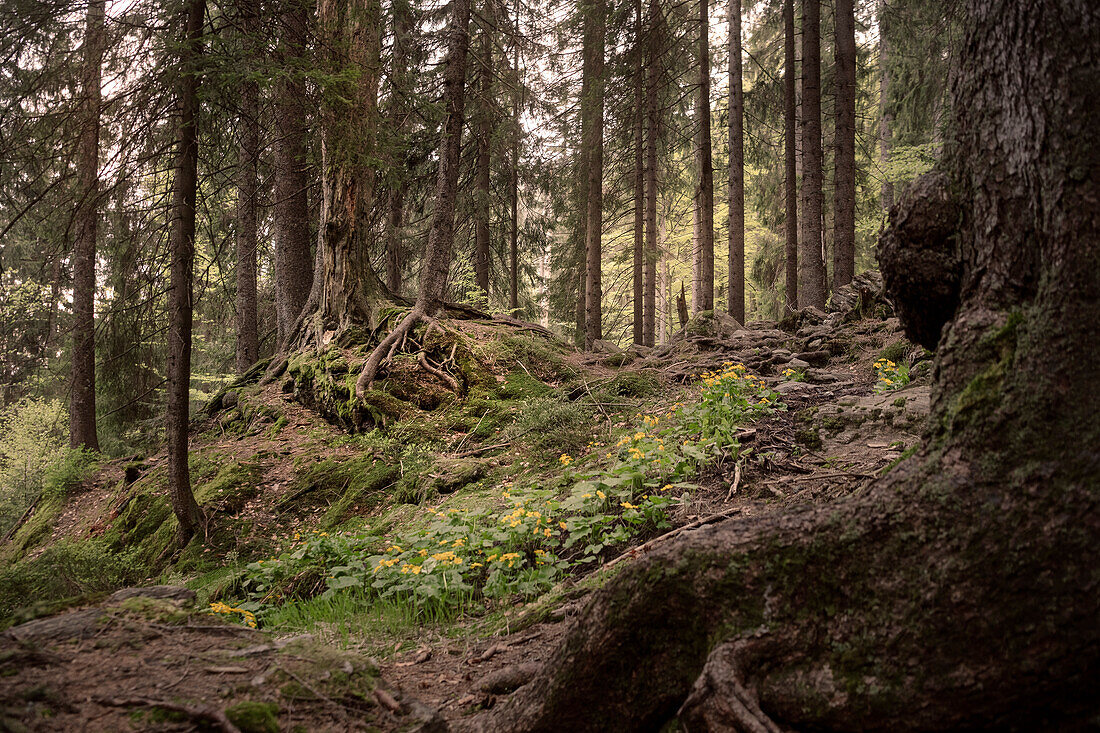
(154, 659)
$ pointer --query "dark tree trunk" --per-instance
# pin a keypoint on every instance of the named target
(293, 258)
(483, 132)
(886, 119)
(651, 130)
(345, 289)
(595, 23)
(704, 158)
(639, 178)
(811, 267)
(82, 412)
(182, 247)
(844, 171)
(959, 592)
(400, 83)
(736, 305)
(790, 159)
(513, 248)
(437, 258)
(248, 337)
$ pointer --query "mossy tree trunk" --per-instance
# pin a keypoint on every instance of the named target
(960, 592)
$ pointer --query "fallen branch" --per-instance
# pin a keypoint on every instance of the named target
(195, 712)
(635, 551)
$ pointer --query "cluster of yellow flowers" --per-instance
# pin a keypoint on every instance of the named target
(789, 373)
(565, 459)
(249, 617)
(887, 371)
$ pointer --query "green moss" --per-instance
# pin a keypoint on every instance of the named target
(522, 386)
(344, 487)
(231, 488)
(895, 351)
(254, 717)
(911, 450)
(633, 384)
(809, 438)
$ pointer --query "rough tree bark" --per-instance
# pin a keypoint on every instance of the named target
(483, 132)
(960, 591)
(182, 248)
(595, 26)
(704, 157)
(82, 412)
(437, 258)
(248, 336)
(811, 268)
(736, 306)
(886, 114)
(400, 91)
(345, 288)
(653, 75)
(639, 178)
(293, 258)
(790, 160)
(513, 188)
(844, 169)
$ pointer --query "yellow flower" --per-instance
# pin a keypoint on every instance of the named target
(546, 532)
(562, 525)
(601, 494)
(565, 459)
(627, 505)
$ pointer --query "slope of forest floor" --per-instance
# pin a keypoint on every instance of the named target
(274, 461)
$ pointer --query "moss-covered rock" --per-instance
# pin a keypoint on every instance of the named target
(254, 717)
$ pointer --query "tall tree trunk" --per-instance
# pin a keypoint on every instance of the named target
(736, 306)
(886, 119)
(844, 170)
(595, 23)
(482, 134)
(82, 412)
(182, 246)
(653, 73)
(639, 178)
(517, 94)
(704, 156)
(959, 591)
(811, 281)
(399, 116)
(293, 257)
(345, 288)
(248, 337)
(437, 258)
(790, 158)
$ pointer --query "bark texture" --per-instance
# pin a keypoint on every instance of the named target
(595, 26)
(705, 161)
(248, 337)
(399, 113)
(293, 257)
(437, 258)
(82, 412)
(639, 179)
(483, 131)
(182, 248)
(886, 118)
(345, 287)
(652, 120)
(811, 266)
(790, 160)
(844, 162)
(736, 305)
(959, 592)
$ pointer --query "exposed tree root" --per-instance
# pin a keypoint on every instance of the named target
(720, 701)
(370, 368)
(195, 712)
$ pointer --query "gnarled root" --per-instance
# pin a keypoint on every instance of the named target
(719, 700)
(370, 368)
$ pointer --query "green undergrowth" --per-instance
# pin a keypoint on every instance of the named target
(487, 547)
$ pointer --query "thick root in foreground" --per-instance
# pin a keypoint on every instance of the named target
(883, 613)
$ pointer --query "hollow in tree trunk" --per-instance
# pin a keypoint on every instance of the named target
(958, 592)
